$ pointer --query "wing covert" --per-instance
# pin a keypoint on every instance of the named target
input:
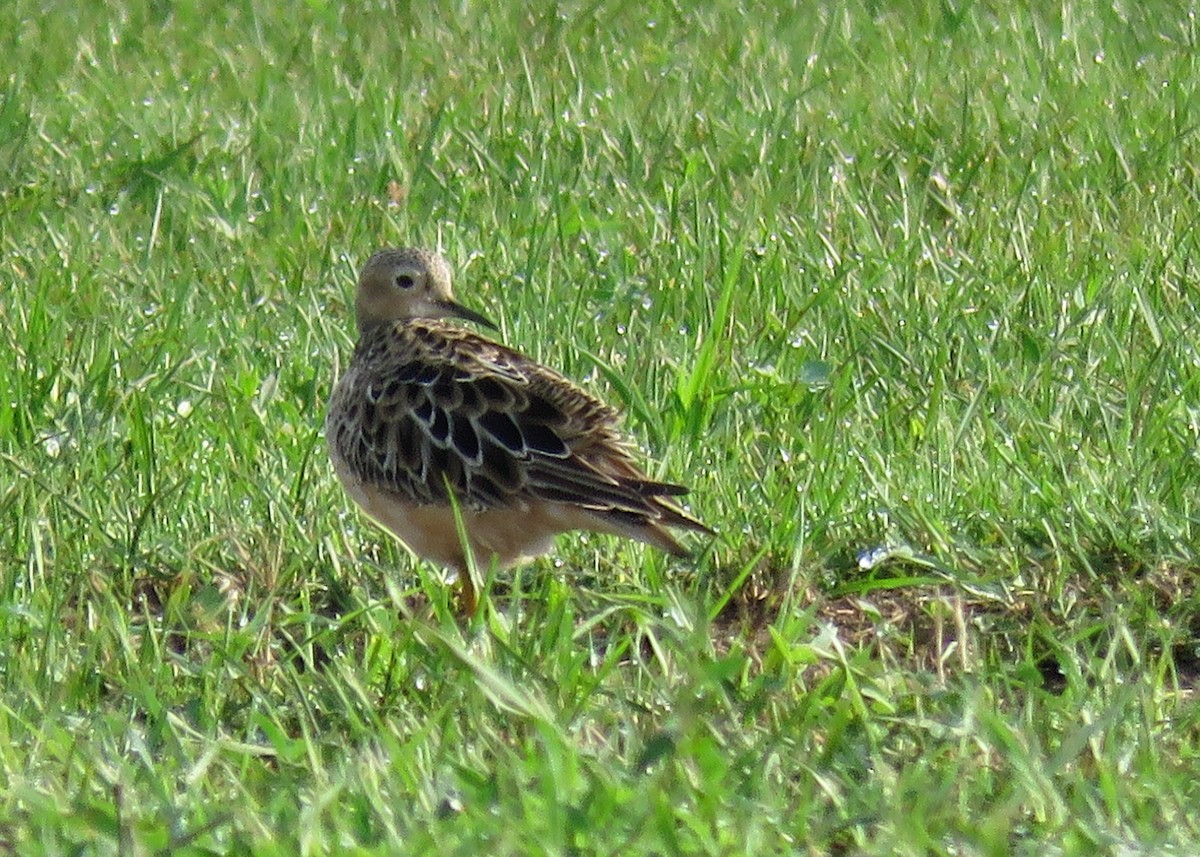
(441, 406)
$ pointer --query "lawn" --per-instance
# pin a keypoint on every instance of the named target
(904, 292)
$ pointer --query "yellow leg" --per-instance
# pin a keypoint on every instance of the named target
(468, 601)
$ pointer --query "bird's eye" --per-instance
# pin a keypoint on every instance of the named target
(405, 281)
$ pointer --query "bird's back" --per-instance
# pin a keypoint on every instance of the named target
(427, 409)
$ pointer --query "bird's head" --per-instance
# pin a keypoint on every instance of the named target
(407, 283)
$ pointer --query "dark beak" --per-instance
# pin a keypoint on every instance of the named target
(459, 311)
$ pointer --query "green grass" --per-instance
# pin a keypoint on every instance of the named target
(914, 285)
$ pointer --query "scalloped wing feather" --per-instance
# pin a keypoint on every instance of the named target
(426, 405)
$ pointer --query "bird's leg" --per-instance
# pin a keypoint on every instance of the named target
(468, 597)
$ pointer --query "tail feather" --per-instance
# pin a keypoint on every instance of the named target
(647, 488)
(673, 516)
(643, 529)
(651, 527)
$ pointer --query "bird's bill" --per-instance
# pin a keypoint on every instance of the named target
(457, 310)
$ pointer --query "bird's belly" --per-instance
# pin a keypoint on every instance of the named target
(510, 535)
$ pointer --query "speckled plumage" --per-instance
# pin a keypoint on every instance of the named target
(428, 408)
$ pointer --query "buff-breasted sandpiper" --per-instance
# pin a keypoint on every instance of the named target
(428, 411)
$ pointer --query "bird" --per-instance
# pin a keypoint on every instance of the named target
(430, 417)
